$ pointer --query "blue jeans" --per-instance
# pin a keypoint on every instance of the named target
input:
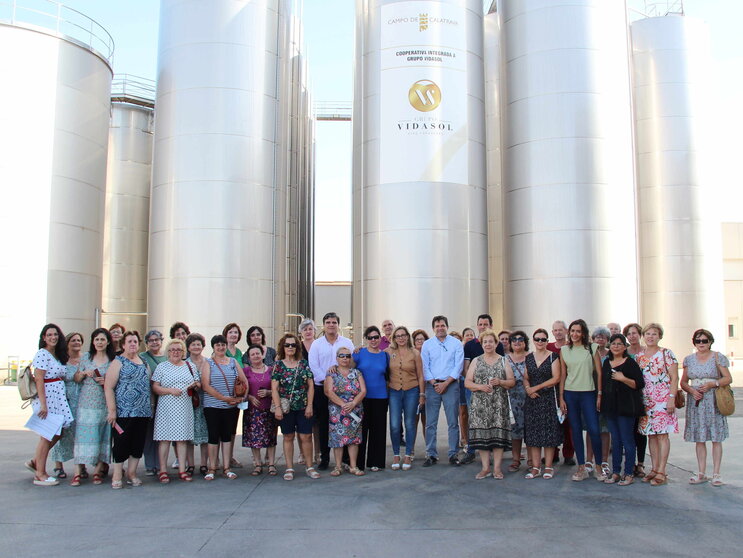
(450, 399)
(583, 403)
(622, 439)
(403, 401)
(465, 396)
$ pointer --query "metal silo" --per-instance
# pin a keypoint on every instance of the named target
(420, 224)
(493, 92)
(679, 234)
(212, 244)
(568, 163)
(53, 142)
(128, 202)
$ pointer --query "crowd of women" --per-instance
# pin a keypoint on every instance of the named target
(113, 404)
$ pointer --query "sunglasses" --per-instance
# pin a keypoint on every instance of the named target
(701, 341)
(290, 345)
(517, 339)
(540, 339)
(344, 355)
(373, 337)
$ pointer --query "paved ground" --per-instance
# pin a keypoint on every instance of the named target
(440, 511)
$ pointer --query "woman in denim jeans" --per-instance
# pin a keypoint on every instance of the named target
(580, 397)
(406, 393)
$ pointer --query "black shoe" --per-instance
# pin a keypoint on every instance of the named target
(569, 461)
(323, 466)
(467, 459)
(430, 461)
(453, 460)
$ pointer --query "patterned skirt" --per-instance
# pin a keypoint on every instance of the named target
(200, 433)
(259, 428)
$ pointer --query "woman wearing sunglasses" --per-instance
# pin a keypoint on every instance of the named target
(519, 343)
(704, 372)
(345, 389)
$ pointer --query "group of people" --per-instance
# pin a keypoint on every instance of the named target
(115, 404)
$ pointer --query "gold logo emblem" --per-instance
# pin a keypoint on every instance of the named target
(424, 95)
(422, 22)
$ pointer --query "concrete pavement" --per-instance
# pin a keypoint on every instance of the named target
(439, 511)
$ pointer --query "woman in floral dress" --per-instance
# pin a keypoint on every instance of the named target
(516, 359)
(704, 373)
(259, 424)
(345, 389)
(660, 372)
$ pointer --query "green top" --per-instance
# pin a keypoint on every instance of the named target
(579, 362)
(238, 356)
(152, 361)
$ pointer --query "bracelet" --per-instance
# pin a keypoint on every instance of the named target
(599, 392)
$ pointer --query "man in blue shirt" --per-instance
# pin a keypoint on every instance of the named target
(443, 357)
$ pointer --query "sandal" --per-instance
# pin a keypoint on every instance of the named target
(163, 477)
(650, 476)
(580, 475)
(184, 476)
(659, 479)
(104, 470)
(485, 473)
(59, 473)
(48, 481)
(532, 475)
(639, 471)
(209, 475)
(408, 463)
(190, 470)
(626, 480)
(550, 474)
(396, 463)
(203, 470)
(257, 470)
(717, 480)
(356, 471)
(613, 479)
(30, 465)
(134, 481)
(289, 474)
(83, 472)
(97, 479)
(515, 466)
(117, 484)
(229, 474)
(272, 470)
(589, 466)
(337, 472)
(498, 475)
(312, 473)
(75, 480)
(605, 469)
(699, 478)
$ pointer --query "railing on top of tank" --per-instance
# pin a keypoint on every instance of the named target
(64, 21)
(332, 110)
(660, 8)
(128, 86)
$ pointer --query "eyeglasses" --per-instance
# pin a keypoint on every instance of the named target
(344, 355)
(176, 350)
(541, 339)
(290, 345)
(517, 339)
(153, 339)
(373, 337)
(401, 336)
(701, 341)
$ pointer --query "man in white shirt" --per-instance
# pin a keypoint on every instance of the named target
(443, 357)
(322, 357)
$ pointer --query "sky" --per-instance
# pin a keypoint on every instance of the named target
(329, 42)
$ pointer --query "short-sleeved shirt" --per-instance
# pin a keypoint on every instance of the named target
(579, 363)
(373, 367)
(293, 383)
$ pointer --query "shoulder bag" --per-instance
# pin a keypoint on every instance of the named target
(27, 384)
(192, 393)
(724, 398)
(284, 402)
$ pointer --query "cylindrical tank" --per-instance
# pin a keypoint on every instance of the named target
(126, 232)
(679, 232)
(55, 96)
(493, 63)
(568, 163)
(214, 169)
(420, 234)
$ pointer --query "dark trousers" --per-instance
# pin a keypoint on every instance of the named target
(322, 418)
(568, 451)
(151, 459)
(130, 442)
(373, 447)
(641, 441)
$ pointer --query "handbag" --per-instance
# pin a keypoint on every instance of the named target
(679, 400)
(235, 391)
(192, 392)
(27, 385)
(284, 402)
(724, 397)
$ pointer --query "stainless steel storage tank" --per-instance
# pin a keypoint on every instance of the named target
(493, 96)
(420, 224)
(126, 232)
(53, 144)
(211, 253)
(568, 177)
(679, 233)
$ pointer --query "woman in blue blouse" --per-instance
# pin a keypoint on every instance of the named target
(372, 362)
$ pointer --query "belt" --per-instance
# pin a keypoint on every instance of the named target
(50, 380)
